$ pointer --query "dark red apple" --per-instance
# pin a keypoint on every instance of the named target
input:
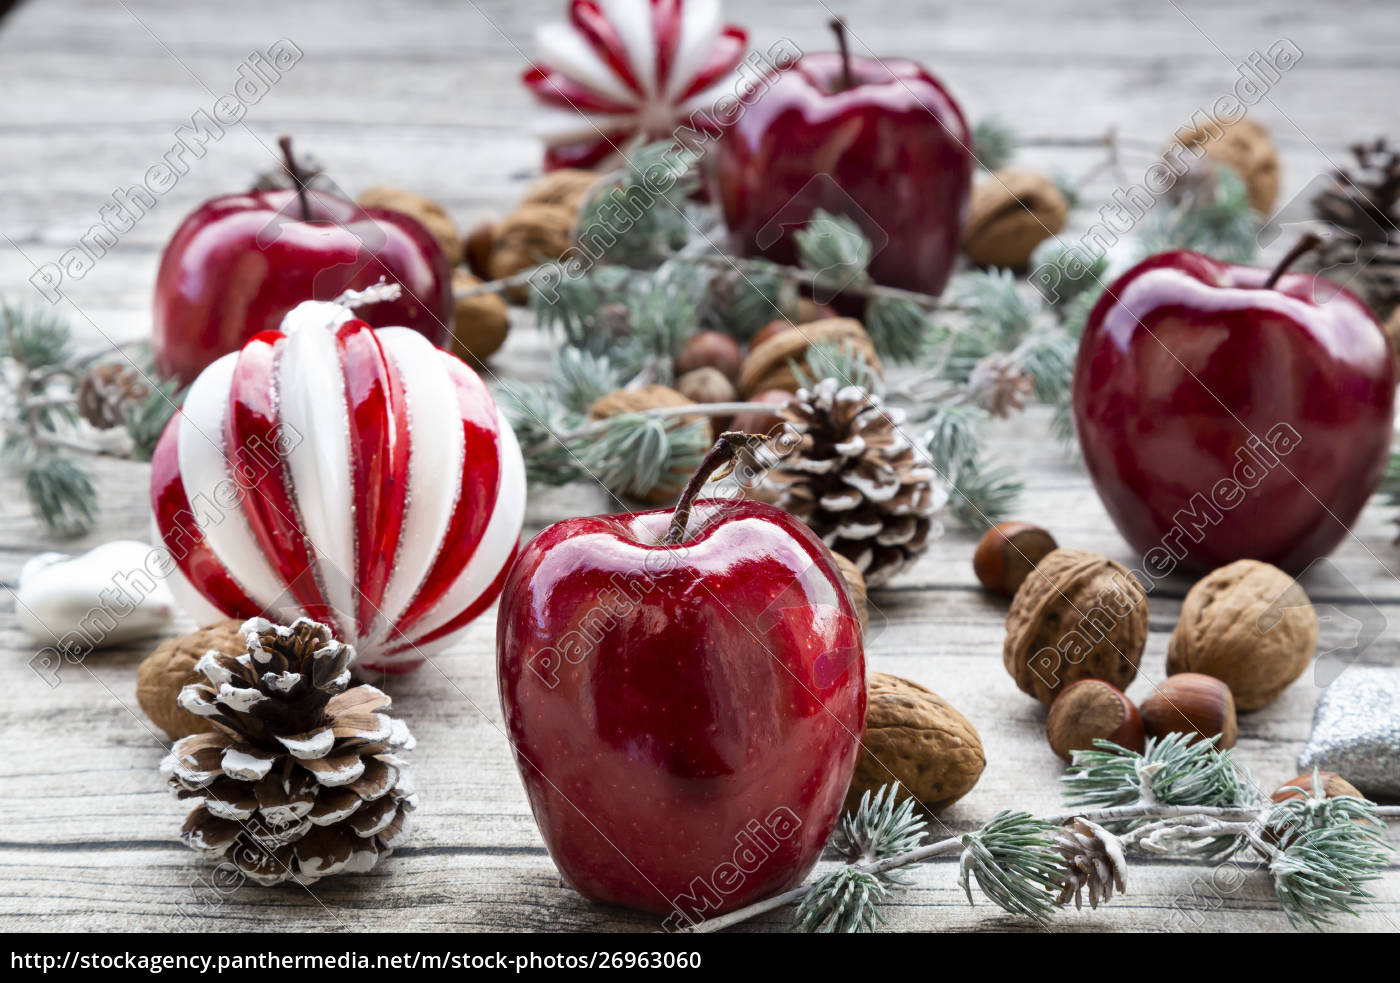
(240, 262)
(685, 706)
(879, 140)
(1229, 412)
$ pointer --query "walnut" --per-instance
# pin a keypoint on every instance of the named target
(429, 213)
(531, 235)
(167, 670)
(913, 736)
(1248, 624)
(567, 187)
(1011, 213)
(1245, 147)
(645, 398)
(1077, 616)
(766, 366)
(480, 323)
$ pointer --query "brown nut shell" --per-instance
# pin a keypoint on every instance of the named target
(480, 323)
(710, 349)
(1012, 211)
(431, 215)
(1077, 616)
(1007, 553)
(1093, 709)
(1333, 786)
(1246, 148)
(915, 737)
(767, 365)
(1249, 624)
(531, 235)
(1191, 703)
(566, 187)
(170, 667)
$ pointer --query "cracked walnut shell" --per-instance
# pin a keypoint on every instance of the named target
(769, 363)
(1011, 213)
(1077, 616)
(1249, 625)
(170, 667)
(915, 737)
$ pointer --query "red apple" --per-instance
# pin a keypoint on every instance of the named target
(240, 262)
(685, 697)
(1229, 412)
(879, 140)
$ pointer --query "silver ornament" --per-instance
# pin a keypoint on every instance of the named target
(1356, 731)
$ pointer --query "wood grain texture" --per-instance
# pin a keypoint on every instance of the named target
(423, 94)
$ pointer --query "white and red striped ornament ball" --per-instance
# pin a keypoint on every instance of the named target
(359, 477)
(625, 71)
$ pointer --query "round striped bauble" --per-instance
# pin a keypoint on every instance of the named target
(359, 477)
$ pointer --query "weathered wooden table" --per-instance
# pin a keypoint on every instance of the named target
(423, 95)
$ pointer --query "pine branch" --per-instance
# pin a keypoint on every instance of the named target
(1320, 866)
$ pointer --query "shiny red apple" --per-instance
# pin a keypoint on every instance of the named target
(685, 695)
(879, 140)
(240, 262)
(1229, 412)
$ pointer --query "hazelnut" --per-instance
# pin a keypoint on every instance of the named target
(1333, 785)
(712, 349)
(706, 385)
(1011, 213)
(756, 421)
(429, 214)
(768, 331)
(1249, 624)
(808, 310)
(480, 323)
(1246, 148)
(644, 398)
(1089, 709)
(476, 248)
(768, 365)
(1007, 553)
(1077, 616)
(855, 583)
(1191, 702)
(915, 737)
(170, 668)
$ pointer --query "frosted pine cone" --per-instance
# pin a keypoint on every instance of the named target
(1093, 860)
(300, 778)
(998, 385)
(851, 474)
(107, 391)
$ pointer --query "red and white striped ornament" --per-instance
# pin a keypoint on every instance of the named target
(359, 477)
(622, 71)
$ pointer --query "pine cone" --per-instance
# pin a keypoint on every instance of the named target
(1363, 209)
(852, 475)
(1093, 859)
(105, 393)
(299, 780)
(998, 385)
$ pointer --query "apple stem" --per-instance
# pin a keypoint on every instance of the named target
(727, 445)
(294, 172)
(839, 26)
(1307, 244)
